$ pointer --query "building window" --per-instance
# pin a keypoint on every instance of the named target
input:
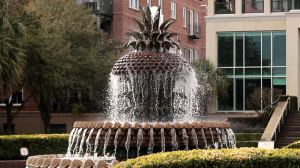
(191, 55)
(252, 60)
(284, 5)
(173, 10)
(184, 16)
(196, 55)
(58, 128)
(191, 22)
(161, 4)
(149, 3)
(256, 6)
(197, 22)
(224, 6)
(184, 53)
(17, 98)
(134, 4)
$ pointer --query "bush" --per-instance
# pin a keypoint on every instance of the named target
(248, 144)
(239, 127)
(78, 109)
(36, 144)
(295, 145)
(231, 158)
(293, 101)
(248, 136)
(251, 121)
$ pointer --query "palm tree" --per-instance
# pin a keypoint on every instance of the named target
(12, 54)
(213, 82)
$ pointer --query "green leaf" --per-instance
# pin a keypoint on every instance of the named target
(155, 35)
(162, 26)
(155, 24)
(169, 24)
(142, 26)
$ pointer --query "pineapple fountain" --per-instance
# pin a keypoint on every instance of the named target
(155, 86)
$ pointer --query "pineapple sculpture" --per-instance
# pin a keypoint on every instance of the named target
(153, 82)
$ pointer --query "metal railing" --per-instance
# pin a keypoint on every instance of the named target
(195, 30)
(102, 6)
(224, 7)
(276, 121)
(284, 5)
(253, 7)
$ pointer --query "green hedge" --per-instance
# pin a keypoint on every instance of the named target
(37, 144)
(252, 121)
(242, 144)
(293, 101)
(248, 136)
(295, 145)
(225, 158)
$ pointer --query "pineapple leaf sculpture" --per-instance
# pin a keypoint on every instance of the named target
(151, 36)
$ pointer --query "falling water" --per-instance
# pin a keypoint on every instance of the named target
(204, 137)
(212, 138)
(151, 142)
(71, 141)
(219, 136)
(162, 131)
(116, 140)
(127, 143)
(231, 138)
(97, 140)
(82, 142)
(224, 138)
(195, 137)
(139, 140)
(106, 140)
(77, 141)
(185, 139)
(88, 144)
(174, 139)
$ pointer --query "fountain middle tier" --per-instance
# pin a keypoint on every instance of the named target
(101, 136)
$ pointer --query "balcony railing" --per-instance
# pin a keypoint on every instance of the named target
(224, 7)
(194, 31)
(98, 6)
(284, 5)
(253, 7)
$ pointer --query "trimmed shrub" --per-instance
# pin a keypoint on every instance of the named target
(248, 144)
(295, 145)
(252, 121)
(248, 136)
(225, 158)
(293, 101)
(36, 144)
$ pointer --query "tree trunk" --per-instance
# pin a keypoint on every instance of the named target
(45, 110)
(9, 115)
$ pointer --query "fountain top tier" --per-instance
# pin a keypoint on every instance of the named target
(147, 126)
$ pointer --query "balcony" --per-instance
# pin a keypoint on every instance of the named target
(253, 7)
(285, 5)
(103, 7)
(194, 31)
(224, 7)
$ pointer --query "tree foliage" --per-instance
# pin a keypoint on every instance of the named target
(212, 81)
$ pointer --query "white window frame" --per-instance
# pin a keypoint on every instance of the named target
(173, 10)
(2, 103)
(191, 30)
(184, 16)
(191, 55)
(161, 4)
(197, 22)
(184, 52)
(196, 55)
(149, 3)
(134, 4)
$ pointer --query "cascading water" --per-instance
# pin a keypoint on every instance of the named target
(174, 139)
(106, 139)
(195, 137)
(231, 138)
(82, 142)
(139, 140)
(97, 140)
(88, 144)
(219, 136)
(77, 141)
(212, 138)
(162, 131)
(116, 140)
(185, 139)
(224, 138)
(127, 143)
(71, 141)
(151, 142)
(204, 138)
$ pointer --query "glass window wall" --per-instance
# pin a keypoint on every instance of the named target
(251, 59)
(253, 6)
(224, 6)
(284, 5)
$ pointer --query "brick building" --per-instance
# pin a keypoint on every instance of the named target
(116, 20)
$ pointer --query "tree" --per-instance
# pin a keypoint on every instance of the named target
(212, 81)
(67, 52)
